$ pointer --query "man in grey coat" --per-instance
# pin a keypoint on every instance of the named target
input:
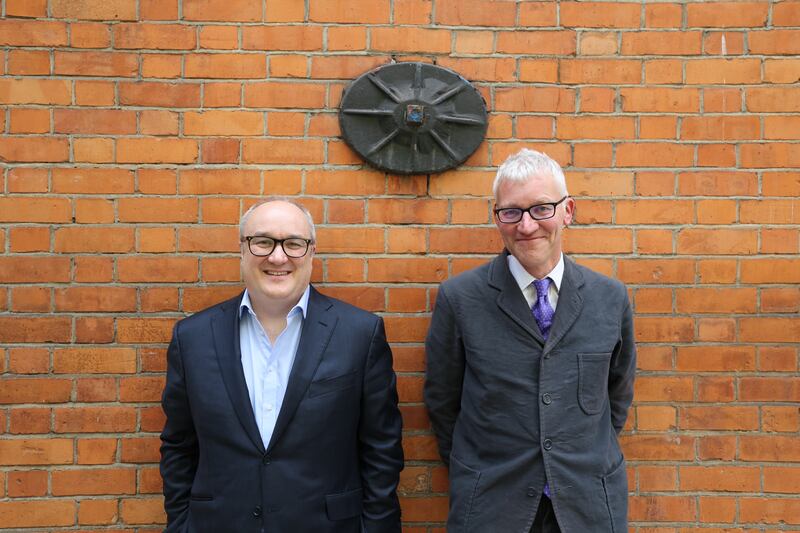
(530, 370)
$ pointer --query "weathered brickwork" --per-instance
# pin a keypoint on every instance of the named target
(135, 132)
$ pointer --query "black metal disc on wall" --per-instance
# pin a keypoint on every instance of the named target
(412, 118)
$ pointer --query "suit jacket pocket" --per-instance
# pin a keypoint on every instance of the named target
(333, 384)
(615, 486)
(463, 488)
(344, 505)
(593, 381)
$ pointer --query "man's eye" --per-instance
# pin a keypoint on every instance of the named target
(262, 243)
(294, 245)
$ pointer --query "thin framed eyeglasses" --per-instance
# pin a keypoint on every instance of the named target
(261, 246)
(512, 215)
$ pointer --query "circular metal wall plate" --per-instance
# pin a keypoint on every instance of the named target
(412, 118)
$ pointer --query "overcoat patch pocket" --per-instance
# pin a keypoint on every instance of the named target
(328, 385)
(593, 381)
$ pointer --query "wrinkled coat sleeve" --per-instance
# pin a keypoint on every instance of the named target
(444, 374)
(622, 371)
(179, 450)
(380, 433)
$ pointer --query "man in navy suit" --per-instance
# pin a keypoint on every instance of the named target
(281, 403)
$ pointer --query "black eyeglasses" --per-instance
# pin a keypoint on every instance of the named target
(262, 246)
(512, 215)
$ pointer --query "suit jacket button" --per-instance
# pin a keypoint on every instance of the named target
(266, 460)
(257, 511)
(546, 399)
(531, 492)
(547, 444)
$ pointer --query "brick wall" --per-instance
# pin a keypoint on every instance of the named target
(136, 132)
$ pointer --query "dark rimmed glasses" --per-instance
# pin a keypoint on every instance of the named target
(512, 215)
(261, 246)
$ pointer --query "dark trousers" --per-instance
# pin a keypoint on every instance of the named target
(545, 521)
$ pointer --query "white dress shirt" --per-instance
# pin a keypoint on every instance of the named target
(525, 280)
(267, 367)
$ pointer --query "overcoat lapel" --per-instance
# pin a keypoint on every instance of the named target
(510, 299)
(318, 326)
(570, 303)
(225, 330)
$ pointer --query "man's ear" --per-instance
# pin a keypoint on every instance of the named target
(569, 211)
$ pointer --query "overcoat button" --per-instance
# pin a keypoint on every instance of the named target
(257, 511)
(547, 444)
(546, 399)
(531, 492)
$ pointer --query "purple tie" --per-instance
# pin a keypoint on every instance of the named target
(543, 313)
(542, 310)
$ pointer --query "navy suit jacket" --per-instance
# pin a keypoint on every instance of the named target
(334, 459)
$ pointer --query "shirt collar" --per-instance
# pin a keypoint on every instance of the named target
(524, 278)
(301, 305)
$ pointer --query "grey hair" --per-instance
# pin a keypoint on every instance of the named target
(521, 166)
(301, 207)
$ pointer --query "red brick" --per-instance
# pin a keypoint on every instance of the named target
(219, 37)
(658, 447)
(727, 14)
(140, 450)
(37, 513)
(93, 451)
(34, 91)
(724, 128)
(34, 149)
(772, 448)
(28, 62)
(94, 481)
(29, 361)
(562, 43)
(39, 329)
(650, 100)
(222, 10)
(157, 269)
(96, 390)
(104, 122)
(95, 419)
(94, 360)
(26, 421)
(158, 94)
(26, 484)
(49, 451)
(26, 8)
(226, 66)
(715, 359)
(143, 511)
(654, 154)
(234, 123)
(32, 33)
(717, 241)
(154, 36)
(763, 389)
(720, 478)
(101, 64)
(89, 35)
(350, 11)
(144, 330)
(600, 15)
(97, 512)
(86, 9)
(284, 95)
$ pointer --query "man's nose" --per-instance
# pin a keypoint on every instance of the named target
(527, 222)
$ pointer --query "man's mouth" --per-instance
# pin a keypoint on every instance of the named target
(276, 273)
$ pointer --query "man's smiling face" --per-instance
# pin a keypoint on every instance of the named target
(535, 243)
(277, 279)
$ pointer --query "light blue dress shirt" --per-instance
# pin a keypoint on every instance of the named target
(267, 367)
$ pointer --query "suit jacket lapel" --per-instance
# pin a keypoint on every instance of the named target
(317, 329)
(510, 299)
(225, 331)
(569, 305)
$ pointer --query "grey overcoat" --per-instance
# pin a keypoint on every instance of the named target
(508, 407)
